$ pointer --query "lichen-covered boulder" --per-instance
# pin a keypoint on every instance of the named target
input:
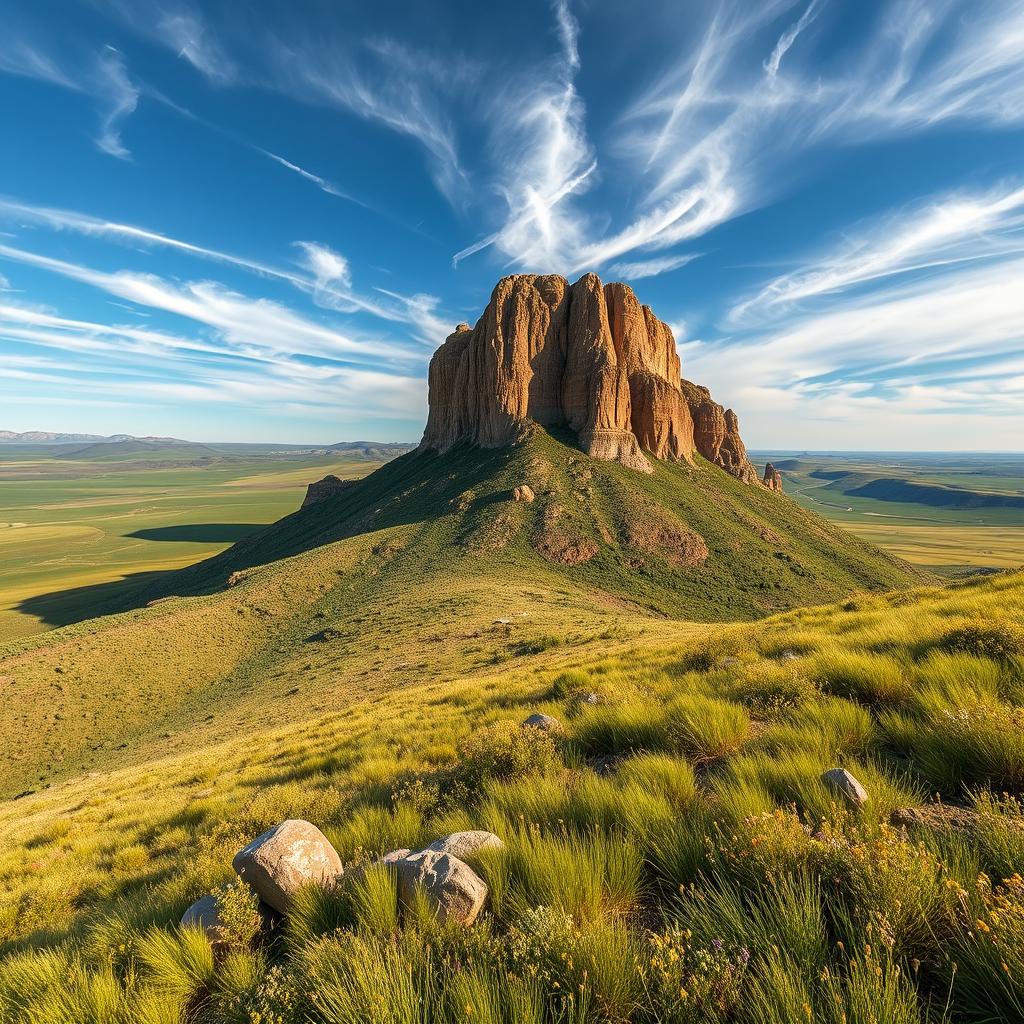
(466, 844)
(546, 723)
(283, 859)
(451, 887)
(840, 782)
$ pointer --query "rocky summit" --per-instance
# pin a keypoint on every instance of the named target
(587, 357)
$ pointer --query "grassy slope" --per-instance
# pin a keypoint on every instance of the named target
(912, 691)
(88, 533)
(399, 579)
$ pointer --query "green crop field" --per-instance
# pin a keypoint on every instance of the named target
(78, 533)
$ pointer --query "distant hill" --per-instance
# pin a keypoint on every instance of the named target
(56, 437)
(156, 448)
(898, 489)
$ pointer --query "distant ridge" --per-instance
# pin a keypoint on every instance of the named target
(56, 437)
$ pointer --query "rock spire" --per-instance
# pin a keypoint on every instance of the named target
(587, 357)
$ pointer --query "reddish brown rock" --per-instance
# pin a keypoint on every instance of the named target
(716, 433)
(588, 357)
(328, 487)
(772, 478)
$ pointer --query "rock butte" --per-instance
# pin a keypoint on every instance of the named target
(587, 357)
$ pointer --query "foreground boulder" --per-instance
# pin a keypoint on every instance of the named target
(546, 723)
(283, 859)
(466, 844)
(452, 888)
(524, 492)
(840, 782)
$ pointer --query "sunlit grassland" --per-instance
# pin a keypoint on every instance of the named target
(73, 534)
(1000, 547)
(672, 857)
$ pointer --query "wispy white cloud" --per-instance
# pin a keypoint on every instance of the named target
(788, 38)
(321, 183)
(327, 266)
(896, 360)
(631, 271)
(121, 98)
(323, 280)
(186, 33)
(944, 231)
(725, 129)
(539, 143)
(24, 58)
(239, 320)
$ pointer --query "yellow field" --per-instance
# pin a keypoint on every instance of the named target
(996, 547)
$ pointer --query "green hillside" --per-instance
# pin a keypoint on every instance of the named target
(402, 577)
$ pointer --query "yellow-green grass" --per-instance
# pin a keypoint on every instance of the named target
(408, 575)
(997, 547)
(74, 538)
(658, 884)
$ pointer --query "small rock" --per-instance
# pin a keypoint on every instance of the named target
(283, 859)
(937, 816)
(590, 698)
(524, 493)
(502, 622)
(789, 656)
(466, 844)
(394, 856)
(843, 784)
(205, 915)
(452, 887)
(546, 723)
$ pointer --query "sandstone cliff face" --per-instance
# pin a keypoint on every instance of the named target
(588, 357)
(772, 478)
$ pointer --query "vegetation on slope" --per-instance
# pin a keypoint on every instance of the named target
(673, 857)
(401, 578)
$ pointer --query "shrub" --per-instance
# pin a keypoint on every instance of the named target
(706, 728)
(689, 983)
(587, 971)
(997, 639)
(988, 950)
(505, 751)
(239, 909)
(769, 688)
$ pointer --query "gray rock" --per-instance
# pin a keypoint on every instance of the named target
(590, 698)
(546, 723)
(452, 888)
(204, 914)
(843, 784)
(394, 856)
(789, 656)
(283, 859)
(466, 844)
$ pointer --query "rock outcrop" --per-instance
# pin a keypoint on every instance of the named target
(280, 861)
(328, 487)
(772, 478)
(587, 357)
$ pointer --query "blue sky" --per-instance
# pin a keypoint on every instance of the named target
(255, 221)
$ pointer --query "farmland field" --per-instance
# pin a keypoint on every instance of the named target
(76, 534)
(951, 512)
